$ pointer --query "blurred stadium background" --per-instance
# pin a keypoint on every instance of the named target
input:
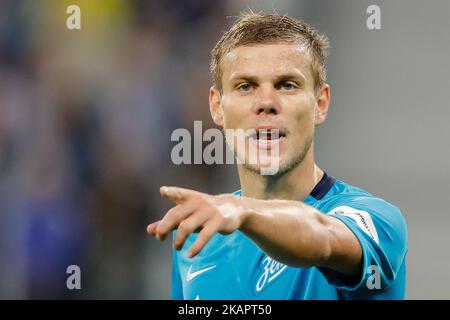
(86, 117)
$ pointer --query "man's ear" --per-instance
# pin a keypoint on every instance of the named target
(215, 107)
(322, 104)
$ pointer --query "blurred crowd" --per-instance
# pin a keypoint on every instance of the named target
(85, 123)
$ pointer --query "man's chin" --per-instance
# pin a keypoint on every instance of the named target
(272, 168)
(275, 167)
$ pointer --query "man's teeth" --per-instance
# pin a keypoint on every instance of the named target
(267, 135)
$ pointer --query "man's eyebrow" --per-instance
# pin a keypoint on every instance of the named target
(295, 74)
(292, 75)
(243, 76)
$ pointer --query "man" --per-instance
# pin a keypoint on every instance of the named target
(298, 233)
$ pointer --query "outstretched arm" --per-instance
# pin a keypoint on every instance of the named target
(290, 232)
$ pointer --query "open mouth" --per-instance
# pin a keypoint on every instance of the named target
(263, 135)
(266, 138)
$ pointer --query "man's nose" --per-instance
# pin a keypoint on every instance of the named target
(266, 101)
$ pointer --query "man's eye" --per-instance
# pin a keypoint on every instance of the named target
(287, 86)
(245, 87)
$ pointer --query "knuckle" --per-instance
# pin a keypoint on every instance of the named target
(172, 213)
(204, 198)
(216, 223)
(196, 247)
(160, 228)
(218, 219)
(207, 235)
(185, 227)
(178, 243)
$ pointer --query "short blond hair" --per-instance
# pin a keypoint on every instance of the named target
(259, 28)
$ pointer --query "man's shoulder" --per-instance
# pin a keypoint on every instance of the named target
(356, 203)
(343, 193)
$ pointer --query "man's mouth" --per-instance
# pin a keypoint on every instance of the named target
(264, 134)
(266, 137)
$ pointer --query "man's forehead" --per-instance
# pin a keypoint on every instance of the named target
(272, 56)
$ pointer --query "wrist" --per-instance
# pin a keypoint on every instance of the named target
(245, 213)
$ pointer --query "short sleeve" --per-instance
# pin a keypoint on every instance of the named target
(381, 231)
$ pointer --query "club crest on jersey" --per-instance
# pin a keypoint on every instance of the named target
(271, 270)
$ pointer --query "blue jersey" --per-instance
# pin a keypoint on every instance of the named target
(234, 267)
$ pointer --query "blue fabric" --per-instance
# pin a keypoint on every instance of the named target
(233, 267)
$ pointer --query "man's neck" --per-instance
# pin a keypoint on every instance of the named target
(293, 185)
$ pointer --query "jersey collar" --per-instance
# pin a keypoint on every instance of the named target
(322, 188)
(318, 193)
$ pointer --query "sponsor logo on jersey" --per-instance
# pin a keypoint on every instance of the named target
(361, 217)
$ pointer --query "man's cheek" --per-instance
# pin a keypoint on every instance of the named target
(231, 120)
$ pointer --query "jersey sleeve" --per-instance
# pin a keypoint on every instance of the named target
(381, 231)
(177, 287)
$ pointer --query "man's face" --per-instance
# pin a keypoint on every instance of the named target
(269, 87)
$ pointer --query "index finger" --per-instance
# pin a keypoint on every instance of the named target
(176, 194)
